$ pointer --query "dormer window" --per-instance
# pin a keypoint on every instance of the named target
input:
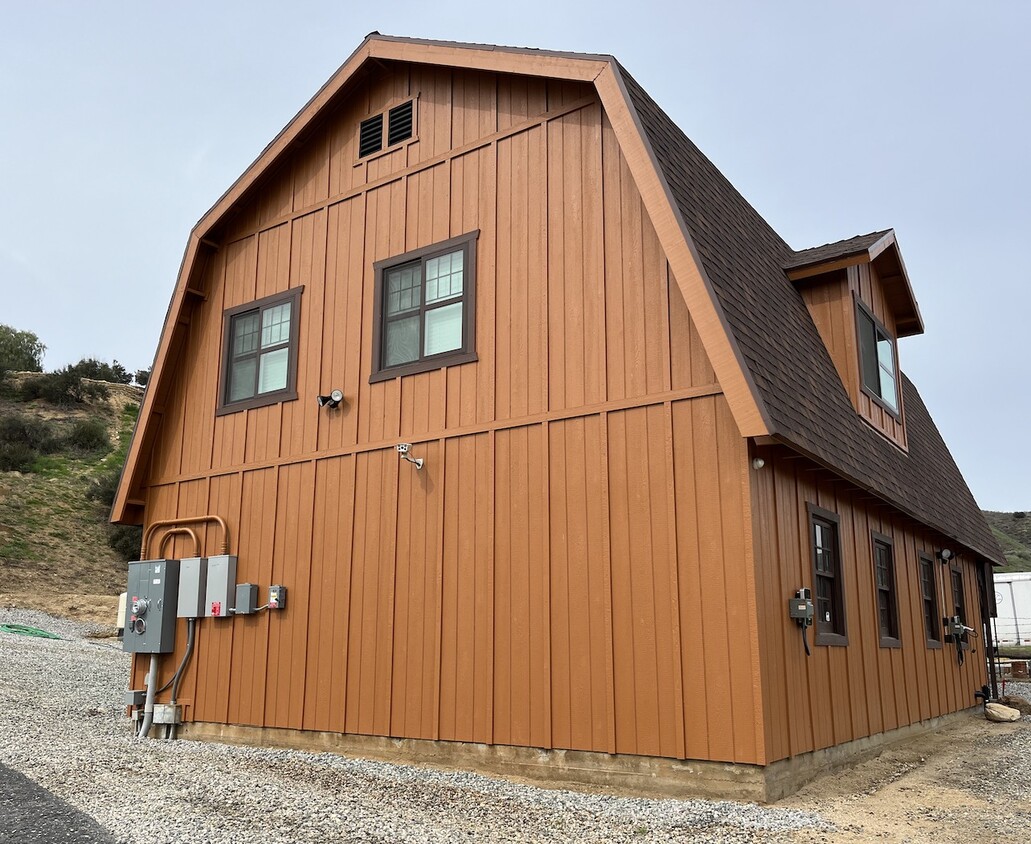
(386, 129)
(877, 359)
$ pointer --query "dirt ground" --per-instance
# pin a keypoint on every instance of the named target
(98, 609)
(970, 781)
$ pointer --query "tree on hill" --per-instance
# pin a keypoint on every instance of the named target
(20, 351)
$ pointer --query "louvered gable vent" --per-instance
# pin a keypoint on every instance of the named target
(370, 136)
(399, 125)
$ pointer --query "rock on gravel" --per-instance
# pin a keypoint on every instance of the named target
(63, 726)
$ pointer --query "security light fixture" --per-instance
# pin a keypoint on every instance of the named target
(945, 555)
(403, 449)
(332, 400)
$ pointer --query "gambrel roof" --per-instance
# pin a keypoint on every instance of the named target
(730, 266)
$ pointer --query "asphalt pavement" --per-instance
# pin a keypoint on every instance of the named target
(30, 814)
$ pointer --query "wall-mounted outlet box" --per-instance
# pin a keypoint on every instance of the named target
(277, 597)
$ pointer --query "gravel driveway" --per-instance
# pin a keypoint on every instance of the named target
(62, 725)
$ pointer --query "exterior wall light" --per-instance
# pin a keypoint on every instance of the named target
(758, 463)
(332, 400)
(403, 449)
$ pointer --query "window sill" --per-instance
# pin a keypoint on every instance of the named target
(257, 401)
(428, 365)
(934, 645)
(889, 642)
(834, 640)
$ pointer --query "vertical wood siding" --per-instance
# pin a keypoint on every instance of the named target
(570, 568)
(833, 308)
(844, 693)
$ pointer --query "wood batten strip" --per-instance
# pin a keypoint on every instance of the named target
(465, 430)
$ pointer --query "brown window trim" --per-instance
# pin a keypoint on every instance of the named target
(893, 592)
(385, 149)
(880, 326)
(466, 354)
(288, 393)
(833, 639)
(924, 557)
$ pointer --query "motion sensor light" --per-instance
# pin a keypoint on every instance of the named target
(332, 400)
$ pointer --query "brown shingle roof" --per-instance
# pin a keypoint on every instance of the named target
(832, 251)
(744, 260)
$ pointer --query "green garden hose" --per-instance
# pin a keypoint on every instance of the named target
(25, 630)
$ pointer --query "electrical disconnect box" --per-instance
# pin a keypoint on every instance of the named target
(277, 597)
(246, 599)
(193, 583)
(152, 596)
(221, 586)
(800, 607)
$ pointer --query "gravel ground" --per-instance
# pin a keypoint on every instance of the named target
(63, 726)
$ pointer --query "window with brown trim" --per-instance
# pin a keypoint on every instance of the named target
(884, 581)
(929, 600)
(386, 129)
(877, 363)
(828, 581)
(425, 309)
(259, 352)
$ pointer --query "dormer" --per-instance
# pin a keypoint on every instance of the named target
(860, 298)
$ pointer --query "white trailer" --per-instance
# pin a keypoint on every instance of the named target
(1013, 602)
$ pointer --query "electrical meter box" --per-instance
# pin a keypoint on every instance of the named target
(152, 596)
(193, 583)
(221, 586)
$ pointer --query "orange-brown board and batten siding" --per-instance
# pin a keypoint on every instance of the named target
(842, 693)
(568, 568)
(588, 558)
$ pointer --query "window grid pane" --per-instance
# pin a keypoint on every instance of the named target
(404, 290)
(245, 334)
(444, 276)
(275, 325)
(272, 373)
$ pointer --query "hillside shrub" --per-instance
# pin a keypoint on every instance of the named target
(20, 351)
(103, 488)
(35, 434)
(125, 540)
(89, 435)
(63, 388)
(100, 370)
(16, 457)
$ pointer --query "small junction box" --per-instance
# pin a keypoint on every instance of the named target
(193, 584)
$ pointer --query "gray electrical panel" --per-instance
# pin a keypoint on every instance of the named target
(193, 583)
(152, 595)
(221, 586)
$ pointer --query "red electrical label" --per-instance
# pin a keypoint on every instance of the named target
(216, 608)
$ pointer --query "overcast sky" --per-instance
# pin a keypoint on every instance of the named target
(121, 124)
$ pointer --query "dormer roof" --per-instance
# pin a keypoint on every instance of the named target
(878, 248)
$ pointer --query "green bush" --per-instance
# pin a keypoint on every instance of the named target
(63, 388)
(35, 434)
(126, 539)
(99, 370)
(89, 435)
(16, 457)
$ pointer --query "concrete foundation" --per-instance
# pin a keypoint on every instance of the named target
(647, 776)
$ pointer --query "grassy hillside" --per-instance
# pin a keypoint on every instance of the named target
(54, 536)
(1014, 535)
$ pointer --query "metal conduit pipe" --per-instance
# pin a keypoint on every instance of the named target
(180, 530)
(148, 706)
(188, 520)
(178, 678)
